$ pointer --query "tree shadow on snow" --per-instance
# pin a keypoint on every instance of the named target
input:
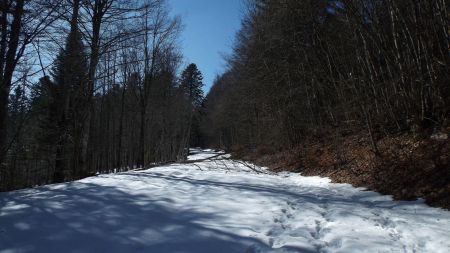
(362, 199)
(85, 217)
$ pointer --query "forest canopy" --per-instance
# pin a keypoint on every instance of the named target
(304, 69)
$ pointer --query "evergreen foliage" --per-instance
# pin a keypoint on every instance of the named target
(191, 84)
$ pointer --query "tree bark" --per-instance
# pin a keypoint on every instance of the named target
(7, 69)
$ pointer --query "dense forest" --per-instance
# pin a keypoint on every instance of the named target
(326, 127)
(358, 90)
(91, 86)
(99, 86)
(310, 68)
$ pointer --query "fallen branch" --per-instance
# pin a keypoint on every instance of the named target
(215, 159)
(201, 160)
(250, 167)
(212, 158)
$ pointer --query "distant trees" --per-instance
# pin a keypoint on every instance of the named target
(107, 99)
(191, 84)
(311, 68)
(191, 87)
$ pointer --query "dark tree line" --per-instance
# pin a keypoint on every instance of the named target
(91, 86)
(314, 68)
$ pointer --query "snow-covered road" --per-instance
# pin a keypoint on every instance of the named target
(215, 206)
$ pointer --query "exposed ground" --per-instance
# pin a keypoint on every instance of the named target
(408, 166)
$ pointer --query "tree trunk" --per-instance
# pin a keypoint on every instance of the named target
(8, 66)
(94, 59)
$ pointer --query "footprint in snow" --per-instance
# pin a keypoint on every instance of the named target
(316, 233)
(291, 205)
(299, 233)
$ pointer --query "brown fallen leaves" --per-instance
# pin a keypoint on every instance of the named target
(408, 166)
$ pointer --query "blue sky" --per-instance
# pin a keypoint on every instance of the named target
(209, 30)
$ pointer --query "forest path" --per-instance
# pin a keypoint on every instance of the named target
(215, 205)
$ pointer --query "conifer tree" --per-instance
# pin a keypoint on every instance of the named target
(18, 110)
(64, 108)
(44, 117)
(70, 78)
(191, 85)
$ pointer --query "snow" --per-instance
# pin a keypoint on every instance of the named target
(216, 205)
